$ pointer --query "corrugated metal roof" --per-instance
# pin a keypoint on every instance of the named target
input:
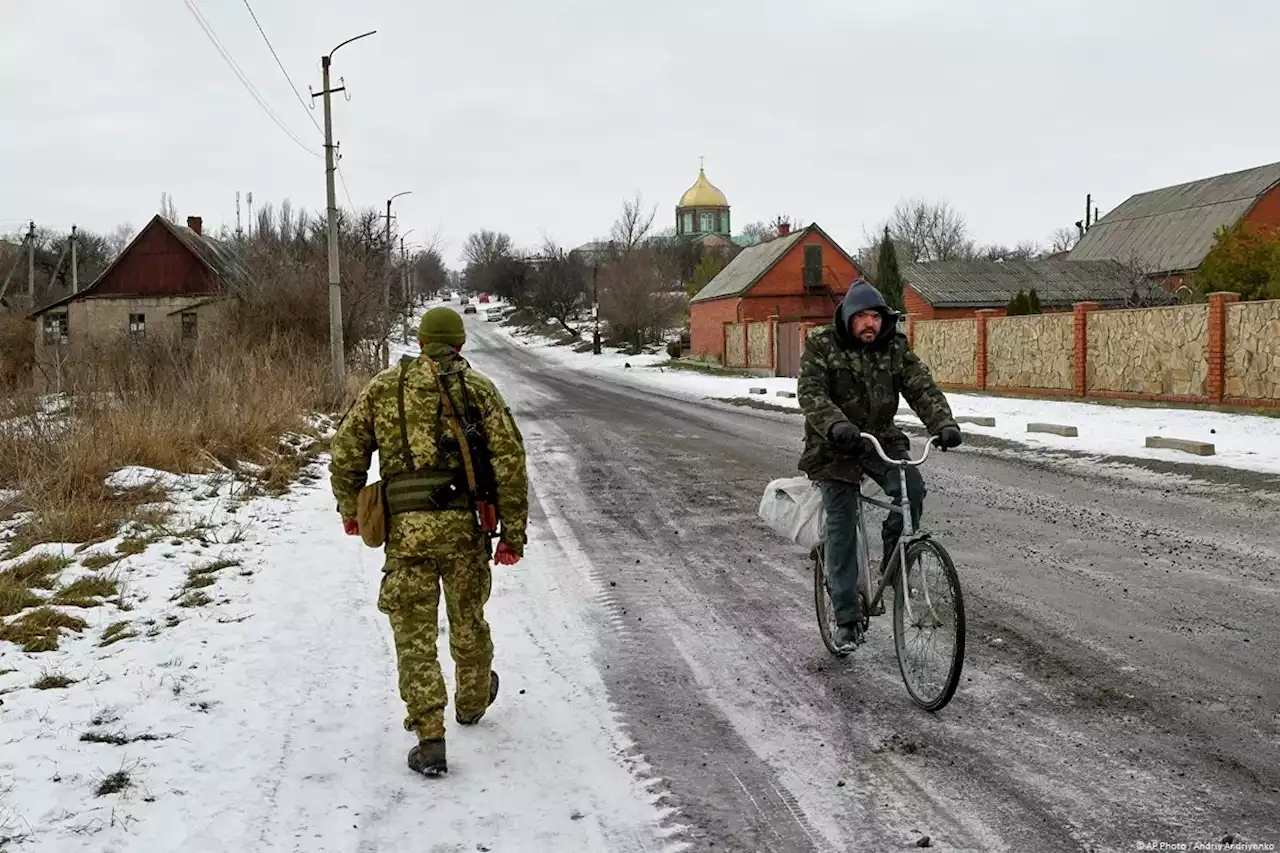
(747, 267)
(991, 284)
(1172, 229)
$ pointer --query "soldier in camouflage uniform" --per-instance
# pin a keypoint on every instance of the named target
(851, 374)
(433, 537)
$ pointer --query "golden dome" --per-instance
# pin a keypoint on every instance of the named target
(703, 194)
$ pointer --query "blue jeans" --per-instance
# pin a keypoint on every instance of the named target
(840, 540)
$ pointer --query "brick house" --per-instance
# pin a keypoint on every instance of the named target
(1166, 233)
(948, 290)
(794, 278)
(169, 282)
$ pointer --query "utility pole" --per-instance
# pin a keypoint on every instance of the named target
(239, 230)
(386, 289)
(595, 308)
(249, 201)
(404, 290)
(336, 354)
(75, 267)
(31, 264)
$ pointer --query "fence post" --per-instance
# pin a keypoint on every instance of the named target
(980, 369)
(911, 330)
(1216, 381)
(746, 343)
(1081, 312)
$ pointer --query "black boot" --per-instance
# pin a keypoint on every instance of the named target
(428, 758)
(493, 694)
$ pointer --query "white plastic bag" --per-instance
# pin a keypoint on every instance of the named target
(792, 507)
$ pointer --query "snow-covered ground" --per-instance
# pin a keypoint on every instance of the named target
(267, 716)
(1249, 442)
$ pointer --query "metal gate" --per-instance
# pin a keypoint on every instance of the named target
(790, 345)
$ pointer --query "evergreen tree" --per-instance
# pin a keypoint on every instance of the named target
(1033, 302)
(888, 276)
(1018, 305)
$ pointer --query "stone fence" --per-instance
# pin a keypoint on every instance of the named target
(1224, 352)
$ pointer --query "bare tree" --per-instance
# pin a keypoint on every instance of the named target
(633, 226)
(641, 296)
(926, 231)
(1025, 250)
(168, 209)
(558, 285)
(757, 232)
(1063, 239)
(120, 238)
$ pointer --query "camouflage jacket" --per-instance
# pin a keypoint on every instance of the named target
(841, 379)
(373, 423)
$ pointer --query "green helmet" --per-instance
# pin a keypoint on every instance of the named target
(442, 326)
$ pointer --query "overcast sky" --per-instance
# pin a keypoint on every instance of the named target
(540, 116)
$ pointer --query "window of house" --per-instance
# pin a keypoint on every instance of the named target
(137, 325)
(189, 325)
(724, 222)
(812, 266)
(708, 221)
(56, 329)
(687, 223)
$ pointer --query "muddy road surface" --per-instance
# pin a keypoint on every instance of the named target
(1120, 684)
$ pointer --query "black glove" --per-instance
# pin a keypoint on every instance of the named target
(949, 437)
(845, 435)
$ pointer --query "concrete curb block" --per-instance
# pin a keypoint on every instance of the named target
(976, 420)
(1198, 448)
(790, 394)
(1055, 429)
(757, 390)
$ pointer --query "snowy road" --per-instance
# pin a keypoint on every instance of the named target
(1120, 681)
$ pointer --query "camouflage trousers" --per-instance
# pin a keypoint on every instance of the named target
(410, 596)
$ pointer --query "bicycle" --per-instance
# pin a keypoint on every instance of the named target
(914, 608)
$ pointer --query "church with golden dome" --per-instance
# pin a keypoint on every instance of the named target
(703, 212)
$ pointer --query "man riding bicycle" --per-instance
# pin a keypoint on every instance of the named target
(851, 375)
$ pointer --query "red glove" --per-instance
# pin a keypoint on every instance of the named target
(351, 528)
(505, 556)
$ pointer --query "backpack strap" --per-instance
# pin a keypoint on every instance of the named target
(404, 426)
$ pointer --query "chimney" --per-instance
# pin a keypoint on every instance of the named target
(784, 228)
(195, 223)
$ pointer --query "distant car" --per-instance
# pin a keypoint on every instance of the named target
(484, 298)
(468, 309)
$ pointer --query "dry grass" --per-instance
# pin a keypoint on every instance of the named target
(114, 783)
(157, 405)
(38, 630)
(53, 681)
(17, 350)
(194, 599)
(18, 583)
(115, 632)
(86, 592)
(100, 561)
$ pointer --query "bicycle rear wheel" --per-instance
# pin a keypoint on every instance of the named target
(928, 609)
(822, 602)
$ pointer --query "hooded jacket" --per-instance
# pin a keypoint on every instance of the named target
(843, 379)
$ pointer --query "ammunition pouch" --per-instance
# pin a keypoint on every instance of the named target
(426, 491)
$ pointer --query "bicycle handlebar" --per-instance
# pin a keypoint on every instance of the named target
(898, 463)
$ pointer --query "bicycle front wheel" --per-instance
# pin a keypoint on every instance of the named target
(928, 625)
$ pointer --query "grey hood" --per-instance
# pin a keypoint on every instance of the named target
(862, 297)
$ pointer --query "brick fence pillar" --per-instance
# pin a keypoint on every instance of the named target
(1216, 381)
(980, 370)
(1082, 310)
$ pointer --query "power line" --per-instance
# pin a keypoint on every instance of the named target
(244, 80)
(296, 93)
(346, 191)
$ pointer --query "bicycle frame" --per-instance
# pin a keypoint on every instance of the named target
(899, 556)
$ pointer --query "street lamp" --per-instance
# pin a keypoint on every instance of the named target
(386, 290)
